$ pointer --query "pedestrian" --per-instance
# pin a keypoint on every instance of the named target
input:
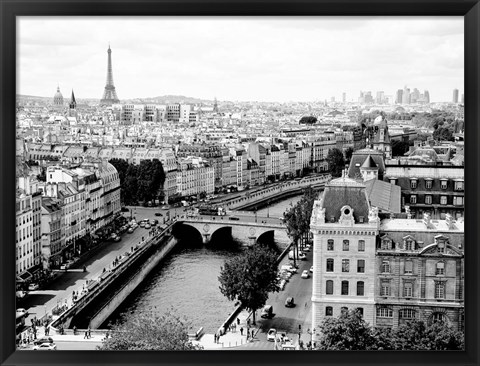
(85, 335)
(238, 321)
(74, 330)
(248, 322)
(241, 331)
(89, 333)
(253, 333)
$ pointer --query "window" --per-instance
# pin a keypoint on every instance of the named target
(344, 287)
(361, 245)
(413, 183)
(329, 264)
(345, 265)
(438, 317)
(443, 184)
(413, 198)
(440, 268)
(428, 199)
(386, 244)
(328, 311)
(346, 245)
(385, 267)
(408, 289)
(407, 314)
(329, 290)
(385, 288)
(384, 312)
(428, 183)
(458, 201)
(439, 290)
(408, 267)
(360, 288)
(409, 244)
(330, 244)
(458, 186)
(361, 266)
(343, 309)
(360, 311)
(443, 200)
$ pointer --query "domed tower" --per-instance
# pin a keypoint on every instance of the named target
(58, 100)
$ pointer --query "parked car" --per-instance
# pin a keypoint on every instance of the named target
(22, 311)
(234, 218)
(33, 287)
(289, 303)
(272, 333)
(142, 224)
(117, 238)
(21, 294)
(305, 274)
(130, 230)
(267, 312)
(43, 340)
(45, 347)
(158, 214)
(64, 266)
(302, 256)
(311, 269)
(147, 226)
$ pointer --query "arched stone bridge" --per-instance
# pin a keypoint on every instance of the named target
(248, 233)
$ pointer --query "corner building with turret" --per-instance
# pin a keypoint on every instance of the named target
(391, 269)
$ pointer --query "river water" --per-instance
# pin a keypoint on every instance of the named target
(187, 282)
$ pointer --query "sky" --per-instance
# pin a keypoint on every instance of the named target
(241, 58)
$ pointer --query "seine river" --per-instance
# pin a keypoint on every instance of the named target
(187, 282)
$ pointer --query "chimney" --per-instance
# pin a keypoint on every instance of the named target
(426, 220)
(450, 222)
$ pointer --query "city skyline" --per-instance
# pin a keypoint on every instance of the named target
(225, 58)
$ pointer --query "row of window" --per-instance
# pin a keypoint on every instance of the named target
(408, 267)
(458, 185)
(346, 245)
(345, 265)
(385, 288)
(457, 200)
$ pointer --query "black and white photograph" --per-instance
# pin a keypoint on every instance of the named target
(240, 183)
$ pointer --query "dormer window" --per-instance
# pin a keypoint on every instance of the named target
(386, 244)
(428, 183)
(413, 198)
(413, 183)
(459, 185)
(409, 245)
(440, 269)
(441, 246)
(443, 183)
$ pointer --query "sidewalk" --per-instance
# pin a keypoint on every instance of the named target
(232, 338)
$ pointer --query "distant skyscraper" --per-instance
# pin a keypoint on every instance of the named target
(406, 95)
(455, 96)
(344, 97)
(109, 95)
(415, 96)
(426, 96)
(215, 105)
(399, 96)
(368, 97)
(380, 97)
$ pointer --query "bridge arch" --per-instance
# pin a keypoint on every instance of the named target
(188, 234)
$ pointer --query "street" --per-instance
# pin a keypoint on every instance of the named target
(40, 302)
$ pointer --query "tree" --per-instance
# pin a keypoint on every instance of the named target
(336, 162)
(443, 134)
(348, 153)
(149, 332)
(250, 277)
(308, 120)
(347, 332)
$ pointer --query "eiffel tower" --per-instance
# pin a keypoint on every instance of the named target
(109, 95)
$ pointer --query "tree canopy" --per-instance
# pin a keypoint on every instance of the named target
(336, 162)
(149, 332)
(443, 134)
(308, 120)
(139, 182)
(349, 331)
(250, 276)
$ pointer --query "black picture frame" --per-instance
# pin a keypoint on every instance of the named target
(9, 9)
